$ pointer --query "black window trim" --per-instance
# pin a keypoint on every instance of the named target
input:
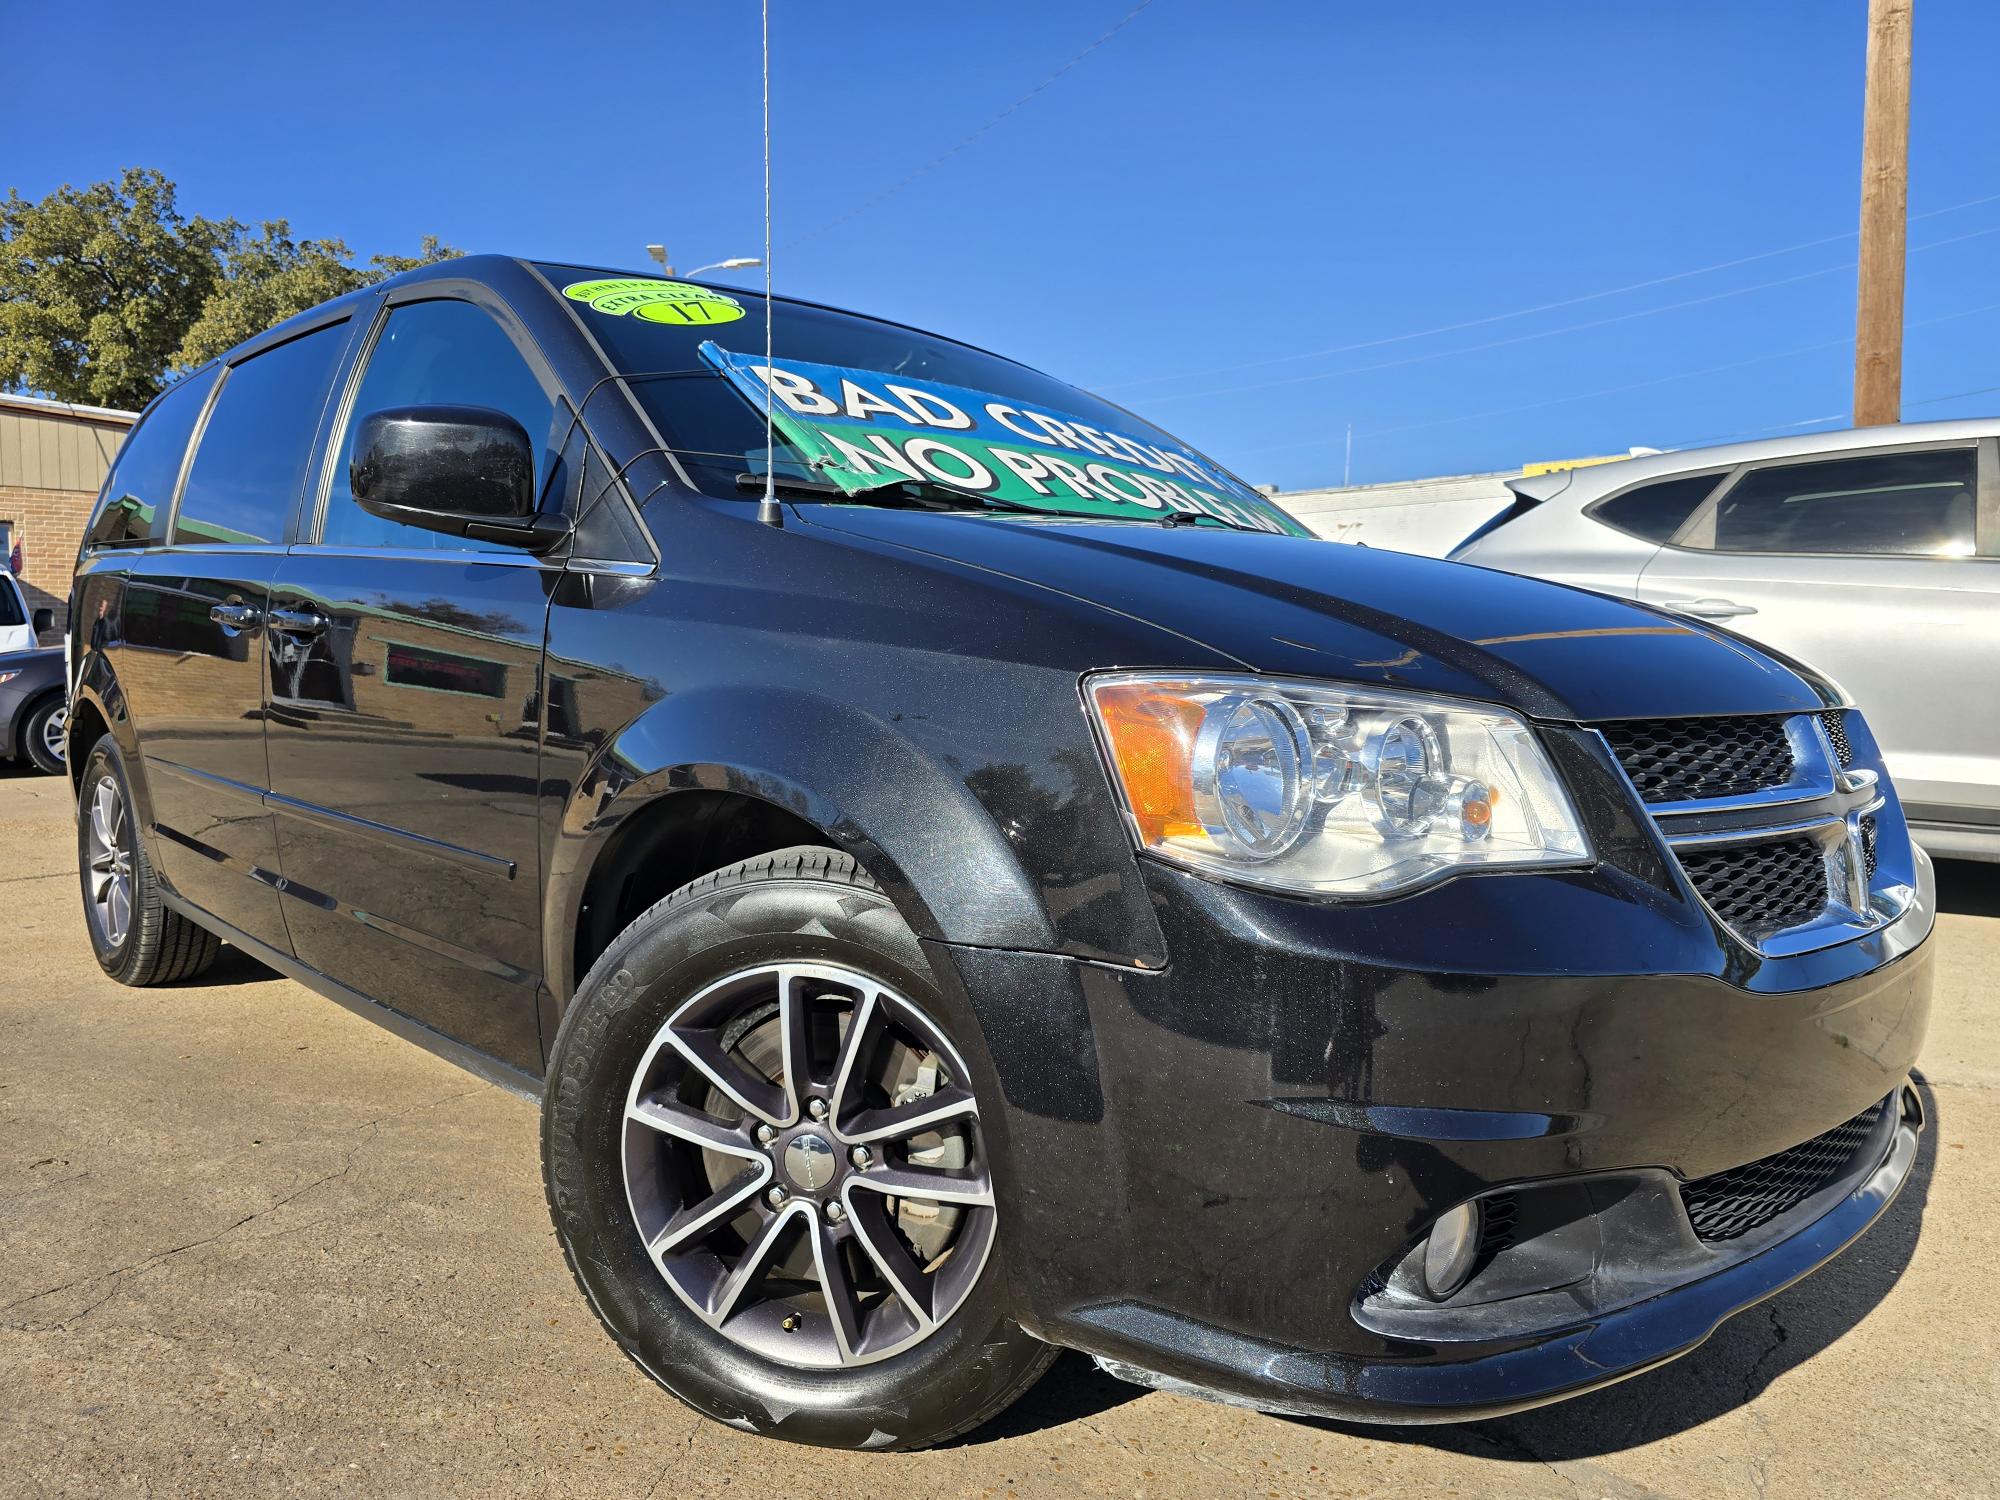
(1983, 451)
(1724, 471)
(329, 317)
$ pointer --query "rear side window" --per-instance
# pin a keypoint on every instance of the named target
(441, 353)
(1654, 512)
(251, 459)
(1902, 504)
(10, 603)
(140, 491)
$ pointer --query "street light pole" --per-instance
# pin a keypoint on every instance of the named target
(659, 253)
(1885, 198)
(734, 263)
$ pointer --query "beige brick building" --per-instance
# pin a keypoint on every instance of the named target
(53, 458)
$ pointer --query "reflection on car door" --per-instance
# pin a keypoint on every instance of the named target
(189, 659)
(1866, 567)
(404, 718)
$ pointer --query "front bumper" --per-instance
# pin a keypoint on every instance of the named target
(1211, 1169)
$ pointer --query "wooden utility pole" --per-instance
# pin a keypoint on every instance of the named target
(1885, 202)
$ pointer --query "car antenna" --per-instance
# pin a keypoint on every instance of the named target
(769, 512)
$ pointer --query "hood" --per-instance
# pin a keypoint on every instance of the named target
(1300, 607)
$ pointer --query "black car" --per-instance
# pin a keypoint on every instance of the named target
(31, 705)
(966, 876)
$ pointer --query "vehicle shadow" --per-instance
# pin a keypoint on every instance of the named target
(1073, 1390)
(1968, 887)
(1739, 1361)
(232, 966)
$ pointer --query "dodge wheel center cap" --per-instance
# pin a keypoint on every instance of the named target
(809, 1161)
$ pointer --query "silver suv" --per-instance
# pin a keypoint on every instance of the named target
(1873, 554)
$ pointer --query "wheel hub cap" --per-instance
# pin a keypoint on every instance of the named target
(809, 1162)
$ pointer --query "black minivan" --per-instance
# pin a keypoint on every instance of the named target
(966, 876)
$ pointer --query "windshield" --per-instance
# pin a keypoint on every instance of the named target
(860, 405)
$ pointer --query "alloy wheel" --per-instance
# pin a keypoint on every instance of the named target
(52, 734)
(109, 860)
(803, 1160)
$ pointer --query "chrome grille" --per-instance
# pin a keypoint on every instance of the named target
(1730, 1204)
(1777, 822)
(1769, 885)
(1686, 760)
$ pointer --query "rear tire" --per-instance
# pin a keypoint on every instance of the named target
(859, 1386)
(137, 938)
(41, 735)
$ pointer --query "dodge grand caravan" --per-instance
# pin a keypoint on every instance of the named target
(965, 876)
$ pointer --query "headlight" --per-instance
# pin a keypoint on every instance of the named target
(1327, 789)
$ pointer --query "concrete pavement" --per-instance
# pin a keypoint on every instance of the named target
(252, 1245)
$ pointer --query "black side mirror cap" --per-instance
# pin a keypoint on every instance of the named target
(463, 470)
(44, 620)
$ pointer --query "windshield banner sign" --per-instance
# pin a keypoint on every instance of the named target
(864, 429)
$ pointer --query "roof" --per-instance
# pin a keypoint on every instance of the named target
(45, 406)
(1599, 479)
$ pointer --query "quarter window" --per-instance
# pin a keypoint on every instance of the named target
(440, 353)
(1655, 512)
(251, 459)
(140, 490)
(1899, 504)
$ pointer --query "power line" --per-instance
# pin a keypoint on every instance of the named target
(1524, 312)
(1635, 385)
(1546, 333)
(1838, 416)
(939, 160)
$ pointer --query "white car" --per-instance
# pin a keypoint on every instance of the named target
(1873, 554)
(19, 625)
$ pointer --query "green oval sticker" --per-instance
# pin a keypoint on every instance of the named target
(676, 302)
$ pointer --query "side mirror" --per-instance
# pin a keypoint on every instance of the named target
(463, 470)
(44, 621)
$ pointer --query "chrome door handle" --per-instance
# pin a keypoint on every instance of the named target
(236, 616)
(297, 621)
(1709, 609)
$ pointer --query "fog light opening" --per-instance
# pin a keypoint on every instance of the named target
(1450, 1251)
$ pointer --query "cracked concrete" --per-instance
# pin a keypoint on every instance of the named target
(251, 1245)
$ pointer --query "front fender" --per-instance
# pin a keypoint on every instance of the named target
(908, 818)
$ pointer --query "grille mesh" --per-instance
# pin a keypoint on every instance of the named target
(1776, 883)
(1678, 760)
(1834, 722)
(1733, 1203)
(1868, 845)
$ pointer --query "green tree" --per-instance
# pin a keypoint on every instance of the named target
(268, 278)
(98, 287)
(105, 292)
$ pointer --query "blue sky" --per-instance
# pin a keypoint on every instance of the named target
(1228, 216)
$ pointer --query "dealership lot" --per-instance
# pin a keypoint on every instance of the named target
(250, 1244)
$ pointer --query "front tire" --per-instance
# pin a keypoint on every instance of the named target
(137, 938)
(763, 1158)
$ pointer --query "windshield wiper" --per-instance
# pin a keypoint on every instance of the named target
(909, 492)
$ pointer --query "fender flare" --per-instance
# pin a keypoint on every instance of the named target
(903, 814)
